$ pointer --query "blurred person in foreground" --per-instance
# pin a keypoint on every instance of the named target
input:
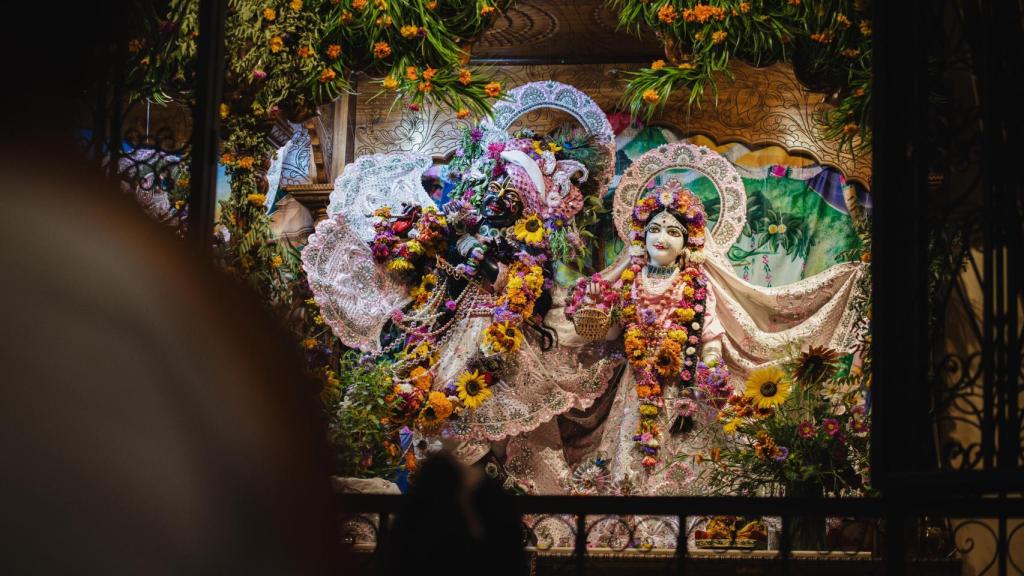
(152, 420)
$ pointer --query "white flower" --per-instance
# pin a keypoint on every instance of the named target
(695, 325)
(405, 388)
(690, 350)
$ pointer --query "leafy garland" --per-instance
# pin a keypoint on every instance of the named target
(285, 58)
(828, 42)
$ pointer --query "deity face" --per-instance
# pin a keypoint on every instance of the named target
(501, 207)
(665, 239)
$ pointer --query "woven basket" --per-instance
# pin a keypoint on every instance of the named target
(592, 323)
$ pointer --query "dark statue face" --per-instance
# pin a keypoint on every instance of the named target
(501, 207)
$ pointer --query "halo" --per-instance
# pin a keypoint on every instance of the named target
(558, 96)
(714, 166)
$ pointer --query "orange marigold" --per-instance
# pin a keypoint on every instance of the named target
(702, 13)
(411, 73)
(744, 7)
(390, 83)
(432, 4)
(276, 44)
(333, 51)
(246, 162)
(492, 89)
(667, 14)
(269, 14)
(381, 49)
(487, 10)
(296, 5)
(843, 20)
(465, 76)
(424, 87)
(462, 113)
(409, 31)
(429, 73)
(651, 96)
(345, 17)
(719, 36)
(823, 37)
(359, 4)
(850, 128)
(305, 52)
(327, 75)
(657, 65)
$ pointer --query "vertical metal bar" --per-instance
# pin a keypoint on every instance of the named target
(581, 543)
(116, 113)
(785, 545)
(206, 122)
(682, 546)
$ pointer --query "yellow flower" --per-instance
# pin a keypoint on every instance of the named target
(492, 89)
(409, 31)
(501, 338)
(685, 314)
(390, 83)
(465, 76)
(627, 275)
(333, 51)
(865, 27)
(256, 199)
(767, 387)
(668, 359)
(276, 44)
(296, 5)
(651, 96)
(384, 21)
(773, 228)
(530, 230)
(441, 404)
(225, 110)
(269, 15)
(318, 320)
(843, 20)
(462, 113)
(731, 425)
(276, 261)
(657, 65)
(472, 388)
(719, 36)
(400, 265)
(487, 10)
(686, 66)
(381, 49)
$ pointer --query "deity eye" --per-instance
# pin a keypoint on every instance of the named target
(675, 232)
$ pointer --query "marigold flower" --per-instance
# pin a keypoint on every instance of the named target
(657, 65)
(823, 37)
(276, 44)
(744, 7)
(134, 45)
(794, 2)
(651, 96)
(381, 50)
(411, 73)
(359, 4)
(257, 200)
(843, 20)
(850, 128)
(686, 66)
(424, 87)
(409, 31)
(492, 89)
(851, 52)
(296, 5)
(719, 36)
(390, 83)
(246, 162)
(276, 261)
(269, 14)
(487, 10)
(384, 21)
(432, 4)
(327, 75)
(227, 158)
(865, 27)
(225, 110)
(333, 51)
(345, 17)
(429, 73)
(462, 113)
(309, 343)
(305, 52)
(667, 14)
(465, 76)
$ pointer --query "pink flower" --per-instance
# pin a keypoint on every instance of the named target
(450, 304)
(698, 308)
(686, 375)
(692, 339)
(649, 461)
(830, 426)
(805, 429)
(259, 74)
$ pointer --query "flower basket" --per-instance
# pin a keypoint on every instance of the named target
(592, 323)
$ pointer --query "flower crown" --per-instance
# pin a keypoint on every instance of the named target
(670, 196)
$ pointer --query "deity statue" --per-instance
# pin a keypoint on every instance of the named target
(488, 351)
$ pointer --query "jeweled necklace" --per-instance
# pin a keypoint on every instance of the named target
(655, 283)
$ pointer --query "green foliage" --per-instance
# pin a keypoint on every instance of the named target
(828, 41)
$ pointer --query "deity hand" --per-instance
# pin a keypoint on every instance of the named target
(593, 294)
(712, 353)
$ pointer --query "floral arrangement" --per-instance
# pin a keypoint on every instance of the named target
(801, 425)
(829, 48)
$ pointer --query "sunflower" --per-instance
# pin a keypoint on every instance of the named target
(667, 360)
(501, 338)
(767, 387)
(816, 364)
(530, 230)
(473, 389)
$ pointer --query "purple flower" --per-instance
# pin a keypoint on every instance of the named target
(647, 316)
(450, 304)
(476, 134)
(781, 454)
(494, 150)
(830, 426)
